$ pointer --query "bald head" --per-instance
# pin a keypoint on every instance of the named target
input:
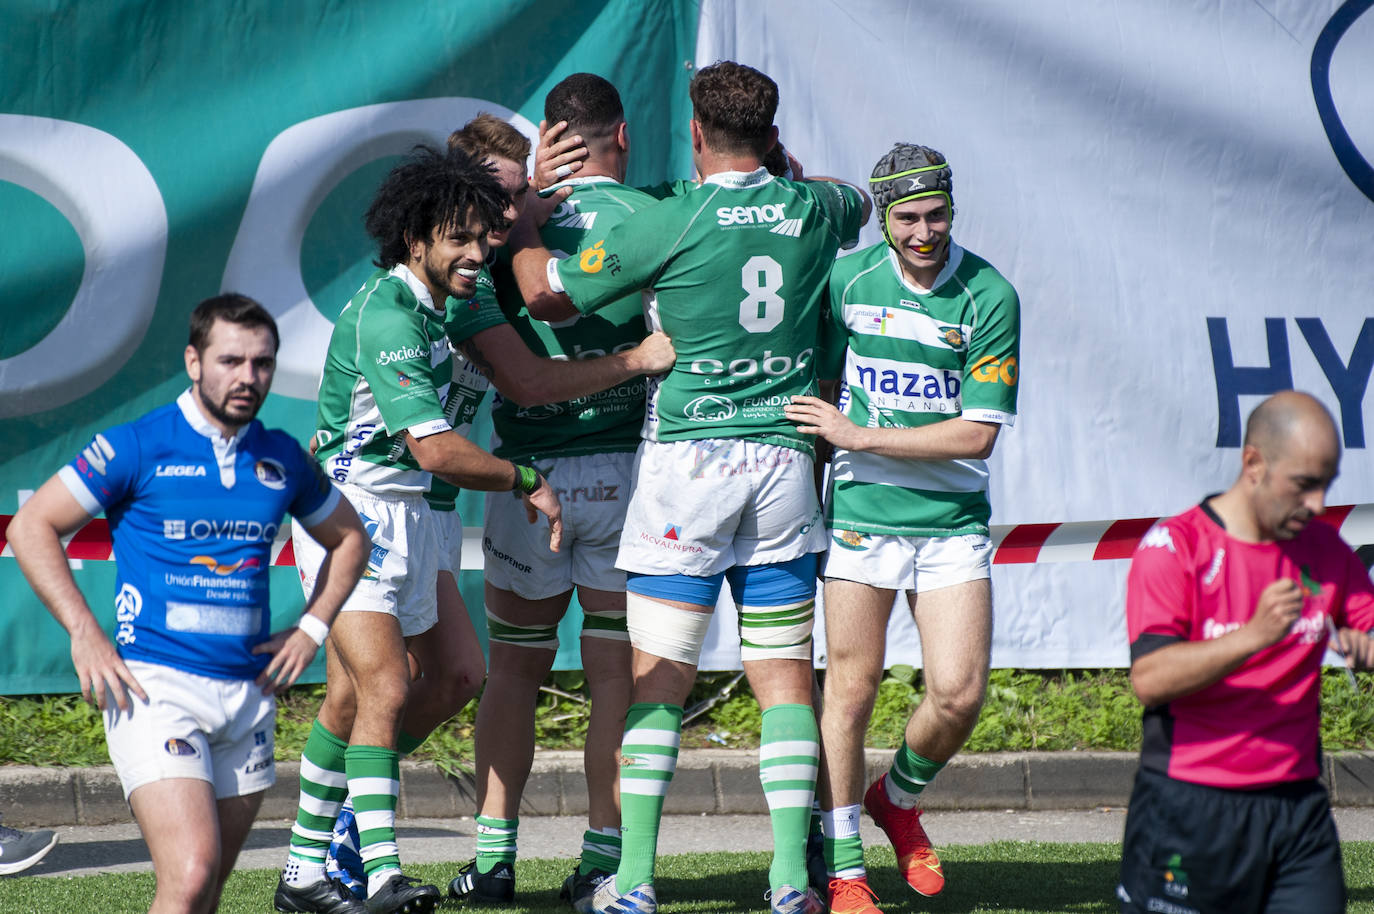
(1290, 457)
(1291, 419)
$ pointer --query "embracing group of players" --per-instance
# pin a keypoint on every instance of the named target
(663, 361)
(659, 356)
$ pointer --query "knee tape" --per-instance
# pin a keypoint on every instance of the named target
(544, 637)
(776, 632)
(609, 625)
(665, 631)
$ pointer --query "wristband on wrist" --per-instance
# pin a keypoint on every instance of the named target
(315, 628)
(526, 479)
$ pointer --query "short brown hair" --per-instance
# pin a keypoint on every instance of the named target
(231, 307)
(735, 106)
(488, 136)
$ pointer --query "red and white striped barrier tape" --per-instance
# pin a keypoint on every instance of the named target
(1013, 544)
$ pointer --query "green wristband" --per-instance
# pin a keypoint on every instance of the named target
(527, 479)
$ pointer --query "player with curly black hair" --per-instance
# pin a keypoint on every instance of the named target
(382, 433)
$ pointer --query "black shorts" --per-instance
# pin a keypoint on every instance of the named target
(1191, 849)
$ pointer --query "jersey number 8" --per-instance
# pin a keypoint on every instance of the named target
(761, 309)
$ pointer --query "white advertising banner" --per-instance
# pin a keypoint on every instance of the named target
(1181, 194)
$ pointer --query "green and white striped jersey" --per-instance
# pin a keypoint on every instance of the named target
(605, 422)
(462, 319)
(912, 358)
(734, 272)
(387, 371)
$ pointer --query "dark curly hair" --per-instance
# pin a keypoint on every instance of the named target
(429, 190)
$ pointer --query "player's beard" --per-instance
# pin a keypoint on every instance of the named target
(440, 278)
(220, 411)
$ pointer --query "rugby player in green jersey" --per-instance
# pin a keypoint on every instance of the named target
(381, 433)
(585, 448)
(733, 270)
(927, 334)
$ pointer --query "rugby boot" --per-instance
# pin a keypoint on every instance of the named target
(788, 900)
(852, 896)
(494, 887)
(328, 896)
(639, 900)
(916, 860)
(579, 888)
(403, 895)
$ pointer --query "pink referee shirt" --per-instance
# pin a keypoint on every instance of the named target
(1191, 581)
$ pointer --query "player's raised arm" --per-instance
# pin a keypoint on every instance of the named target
(36, 534)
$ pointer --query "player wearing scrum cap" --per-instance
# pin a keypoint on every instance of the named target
(927, 334)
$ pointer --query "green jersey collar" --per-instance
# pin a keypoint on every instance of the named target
(417, 288)
(740, 179)
(956, 257)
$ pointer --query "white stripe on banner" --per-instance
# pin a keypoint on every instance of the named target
(1073, 542)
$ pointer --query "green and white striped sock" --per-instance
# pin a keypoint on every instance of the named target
(648, 759)
(908, 776)
(789, 755)
(844, 849)
(374, 780)
(323, 788)
(600, 850)
(496, 840)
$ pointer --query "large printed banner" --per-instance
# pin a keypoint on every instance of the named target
(1184, 198)
(1182, 195)
(153, 154)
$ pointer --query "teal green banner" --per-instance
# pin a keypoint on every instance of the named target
(153, 154)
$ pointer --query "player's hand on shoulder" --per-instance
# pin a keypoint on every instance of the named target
(102, 672)
(654, 355)
(815, 416)
(544, 500)
(1279, 606)
(292, 651)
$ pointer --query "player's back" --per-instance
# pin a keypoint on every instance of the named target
(739, 293)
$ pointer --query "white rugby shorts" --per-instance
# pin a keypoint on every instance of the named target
(403, 569)
(700, 507)
(594, 490)
(911, 563)
(216, 730)
(450, 527)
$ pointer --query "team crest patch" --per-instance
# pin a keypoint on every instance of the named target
(954, 336)
(270, 473)
(180, 747)
(851, 539)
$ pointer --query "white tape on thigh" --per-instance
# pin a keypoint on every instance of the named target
(665, 631)
(776, 632)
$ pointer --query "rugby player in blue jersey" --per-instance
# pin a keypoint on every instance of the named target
(194, 493)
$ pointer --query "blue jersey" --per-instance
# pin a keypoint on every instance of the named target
(193, 516)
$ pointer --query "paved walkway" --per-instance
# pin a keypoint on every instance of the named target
(89, 850)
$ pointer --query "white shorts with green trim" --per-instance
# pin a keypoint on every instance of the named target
(918, 563)
(594, 490)
(216, 730)
(402, 570)
(700, 507)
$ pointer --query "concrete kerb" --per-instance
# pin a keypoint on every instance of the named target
(708, 781)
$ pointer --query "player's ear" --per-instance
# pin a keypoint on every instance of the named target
(622, 137)
(192, 363)
(694, 127)
(1251, 464)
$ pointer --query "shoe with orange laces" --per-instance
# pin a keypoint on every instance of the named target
(915, 858)
(852, 896)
